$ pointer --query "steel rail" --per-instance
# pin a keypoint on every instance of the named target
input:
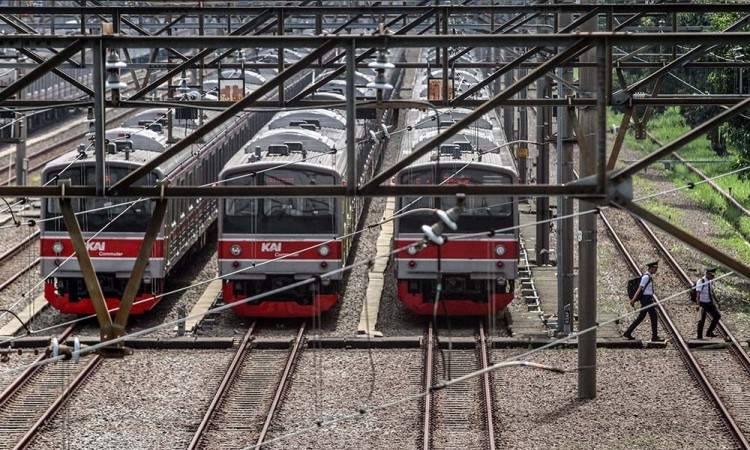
(428, 374)
(713, 184)
(735, 347)
(703, 177)
(50, 413)
(18, 274)
(232, 371)
(684, 351)
(18, 247)
(19, 382)
(486, 388)
(283, 382)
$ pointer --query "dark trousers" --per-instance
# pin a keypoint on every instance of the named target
(711, 309)
(645, 301)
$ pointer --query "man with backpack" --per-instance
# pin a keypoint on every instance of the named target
(645, 294)
(706, 298)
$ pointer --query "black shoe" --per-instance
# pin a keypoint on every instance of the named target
(711, 335)
(657, 339)
(700, 338)
(629, 337)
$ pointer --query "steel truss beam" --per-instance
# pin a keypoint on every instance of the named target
(223, 116)
(379, 40)
(474, 115)
(39, 72)
(571, 43)
(457, 10)
(109, 329)
(470, 103)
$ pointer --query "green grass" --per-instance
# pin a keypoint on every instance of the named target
(732, 225)
(669, 126)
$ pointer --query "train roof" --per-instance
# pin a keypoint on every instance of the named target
(327, 96)
(469, 76)
(449, 116)
(321, 118)
(360, 78)
(339, 87)
(313, 138)
(146, 145)
(313, 141)
(250, 76)
(141, 138)
(277, 147)
(151, 115)
(496, 160)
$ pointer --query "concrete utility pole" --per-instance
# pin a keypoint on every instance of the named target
(522, 155)
(542, 174)
(587, 265)
(565, 275)
(543, 122)
(99, 115)
(22, 164)
(508, 111)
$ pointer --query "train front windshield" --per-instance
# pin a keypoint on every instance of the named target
(101, 213)
(281, 215)
(479, 214)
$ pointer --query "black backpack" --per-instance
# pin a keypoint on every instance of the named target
(633, 285)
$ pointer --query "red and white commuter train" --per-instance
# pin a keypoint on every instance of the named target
(114, 227)
(477, 274)
(270, 243)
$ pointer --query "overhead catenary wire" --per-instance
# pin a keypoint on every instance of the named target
(429, 118)
(395, 215)
(363, 412)
(497, 366)
(272, 292)
(516, 360)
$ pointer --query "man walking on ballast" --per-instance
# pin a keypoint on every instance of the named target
(706, 299)
(645, 294)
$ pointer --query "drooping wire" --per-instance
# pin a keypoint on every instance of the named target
(441, 385)
(13, 216)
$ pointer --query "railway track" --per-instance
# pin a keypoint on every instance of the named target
(724, 194)
(37, 395)
(15, 250)
(716, 369)
(250, 394)
(461, 416)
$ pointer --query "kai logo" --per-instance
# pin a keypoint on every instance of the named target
(267, 247)
(96, 246)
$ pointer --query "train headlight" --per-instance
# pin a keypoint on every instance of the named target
(58, 247)
(235, 250)
(500, 250)
(324, 250)
(412, 250)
